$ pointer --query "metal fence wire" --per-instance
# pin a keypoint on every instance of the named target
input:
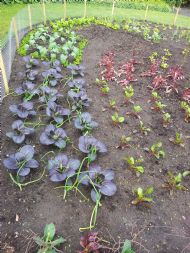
(34, 14)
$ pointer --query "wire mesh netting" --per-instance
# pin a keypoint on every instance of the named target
(34, 14)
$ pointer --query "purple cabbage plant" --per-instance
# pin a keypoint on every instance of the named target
(52, 64)
(52, 75)
(20, 131)
(27, 89)
(79, 102)
(79, 82)
(91, 146)
(23, 110)
(85, 123)
(76, 70)
(101, 180)
(22, 161)
(77, 91)
(54, 136)
(57, 112)
(30, 62)
(47, 94)
(61, 168)
(31, 74)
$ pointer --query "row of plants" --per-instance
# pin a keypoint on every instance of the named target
(150, 32)
(162, 76)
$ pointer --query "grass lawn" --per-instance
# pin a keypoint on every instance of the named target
(6, 13)
(55, 11)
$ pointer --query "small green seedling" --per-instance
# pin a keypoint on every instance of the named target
(167, 52)
(135, 165)
(166, 119)
(174, 182)
(105, 89)
(157, 151)
(47, 244)
(129, 92)
(112, 103)
(178, 140)
(158, 106)
(124, 142)
(117, 119)
(155, 96)
(143, 195)
(127, 248)
(137, 109)
(153, 56)
(184, 106)
(145, 130)
(100, 82)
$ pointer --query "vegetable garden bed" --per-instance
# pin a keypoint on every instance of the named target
(134, 82)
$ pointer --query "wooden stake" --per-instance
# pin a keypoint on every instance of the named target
(65, 9)
(84, 8)
(15, 31)
(5, 81)
(146, 13)
(44, 12)
(29, 17)
(113, 7)
(176, 15)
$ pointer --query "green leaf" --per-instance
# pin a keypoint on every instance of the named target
(140, 192)
(58, 241)
(146, 199)
(49, 231)
(121, 119)
(38, 240)
(127, 247)
(139, 169)
(131, 160)
(186, 173)
(149, 190)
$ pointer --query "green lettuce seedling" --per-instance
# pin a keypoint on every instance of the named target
(135, 165)
(143, 195)
(157, 151)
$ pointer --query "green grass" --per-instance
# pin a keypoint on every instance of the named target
(6, 13)
(55, 11)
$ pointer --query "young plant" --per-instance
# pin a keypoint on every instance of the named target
(100, 179)
(20, 131)
(186, 108)
(105, 89)
(145, 130)
(23, 110)
(135, 165)
(158, 106)
(143, 195)
(91, 146)
(112, 103)
(155, 96)
(178, 139)
(157, 151)
(166, 119)
(28, 90)
(117, 119)
(85, 123)
(76, 70)
(90, 243)
(128, 92)
(61, 167)
(47, 243)
(57, 112)
(174, 182)
(124, 142)
(127, 248)
(54, 136)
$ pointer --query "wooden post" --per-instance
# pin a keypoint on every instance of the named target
(5, 81)
(29, 17)
(44, 11)
(146, 12)
(84, 8)
(15, 31)
(65, 9)
(113, 7)
(176, 15)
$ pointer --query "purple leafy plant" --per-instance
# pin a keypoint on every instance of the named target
(77, 82)
(61, 168)
(27, 89)
(84, 122)
(19, 132)
(23, 110)
(22, 161)
(30, 62)
(31, 74)
(54, 136)
(76, 70)
(79, 102)
(47, 94)
(99, 179)
(57, 112)
(90, 243)
(52, 75)
(91, 146)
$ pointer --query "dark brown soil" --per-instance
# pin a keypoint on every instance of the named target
(162, 227)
